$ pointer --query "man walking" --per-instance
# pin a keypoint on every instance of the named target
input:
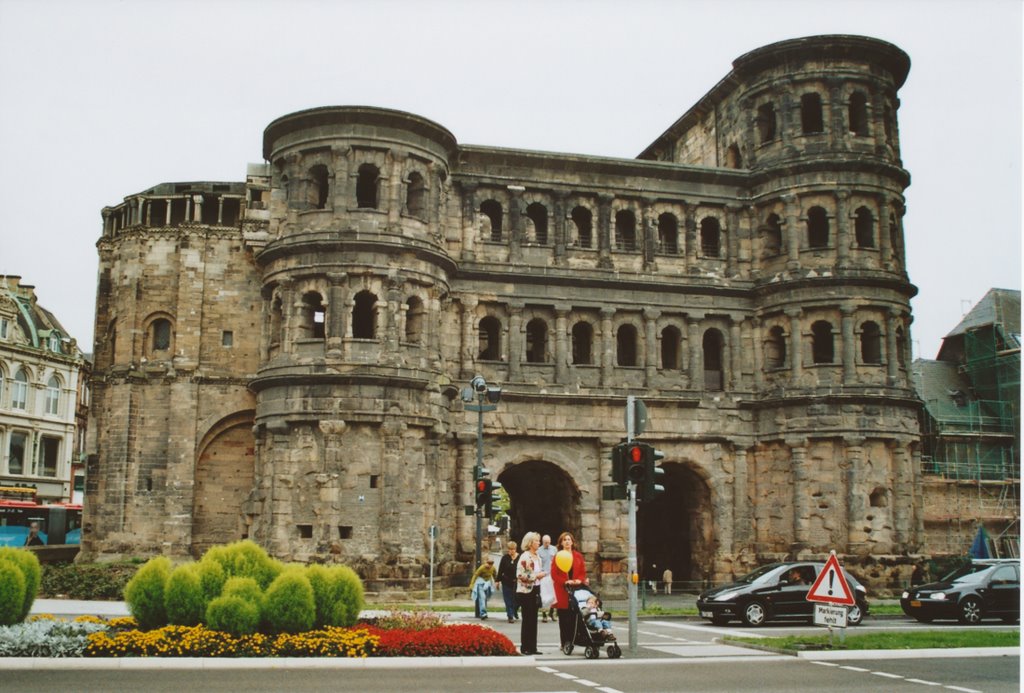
(547, 555)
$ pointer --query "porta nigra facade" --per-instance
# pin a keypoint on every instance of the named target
(281, 359)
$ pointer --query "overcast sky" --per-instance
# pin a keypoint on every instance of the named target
(100, 99)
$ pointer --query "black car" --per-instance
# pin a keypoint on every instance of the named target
(776, 591)
(983, 588)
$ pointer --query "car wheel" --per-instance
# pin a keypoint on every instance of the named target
(719, 620)
(970, 611)
(854, 616)
(754, 614)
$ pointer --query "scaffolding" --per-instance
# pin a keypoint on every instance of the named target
(972, 443)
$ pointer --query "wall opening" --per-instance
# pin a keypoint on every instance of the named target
(582, 341)
(538, 215)
(625, 342)
(822, 342)
(367, 184)
(489, 339)
(713, 347)
(671, 348)
(674, 529)
(817, 228)
(542, 498)
(536, 341)
(811, 120)
(364, 316)
(492, 210)
(710, 237)
(583, 220)
(625, 230)
(668, 234)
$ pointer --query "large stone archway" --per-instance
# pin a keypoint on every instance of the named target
(223, 481)
(675, 529)
(543, 498)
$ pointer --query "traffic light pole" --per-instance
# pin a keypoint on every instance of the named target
(631, 587)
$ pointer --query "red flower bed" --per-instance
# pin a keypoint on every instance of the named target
(445, 641)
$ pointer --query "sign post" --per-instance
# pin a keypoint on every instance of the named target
(831, 594)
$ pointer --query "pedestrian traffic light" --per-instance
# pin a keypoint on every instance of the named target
(635, 456)
(483, 493)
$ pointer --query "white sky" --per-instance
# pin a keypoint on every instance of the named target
(100, 99)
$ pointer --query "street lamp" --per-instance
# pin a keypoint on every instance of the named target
(487, 398)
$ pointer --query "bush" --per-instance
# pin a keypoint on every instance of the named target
(233, 615)
(30, 569)
(244, 587)
(211, 579)
(183, 597)
(86, 580)
(338, 593)
(289, 606)
(47, 638)
(144, 593)
(245, 559)
(12, 593)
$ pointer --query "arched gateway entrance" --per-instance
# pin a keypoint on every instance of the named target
(543, 498)
(675, 529)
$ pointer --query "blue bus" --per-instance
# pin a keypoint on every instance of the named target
(59, 523)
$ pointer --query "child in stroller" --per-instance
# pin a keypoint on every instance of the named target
(592, 625)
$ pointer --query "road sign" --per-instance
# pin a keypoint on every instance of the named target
(830, 615)
(831, 587)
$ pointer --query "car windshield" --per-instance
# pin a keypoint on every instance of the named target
(758, 576)
(966, 573)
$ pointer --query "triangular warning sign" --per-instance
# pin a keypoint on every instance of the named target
(831, 587)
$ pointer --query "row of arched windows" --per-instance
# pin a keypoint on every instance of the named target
(812, 120)
(15, 393)
(819, 232)
(367, 189)
(312, 319)
(823, 345)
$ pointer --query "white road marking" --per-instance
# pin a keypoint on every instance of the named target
(563, 675)
(849, 668)
(924, 683)
(965, 690)
(887, 675)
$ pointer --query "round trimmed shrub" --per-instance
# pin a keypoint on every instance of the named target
(245, 559)
(233, 615)
(144, 593)
(338, 593)
(12, 593)
(211, 578)
(183, 596)
(289, 606)
(31, 570)
(246, 588)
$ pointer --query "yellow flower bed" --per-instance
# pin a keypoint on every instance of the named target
(198, 641)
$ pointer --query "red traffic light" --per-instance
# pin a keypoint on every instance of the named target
(636, 454)
(481, 485)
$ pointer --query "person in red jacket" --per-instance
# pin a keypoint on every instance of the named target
(576, 575)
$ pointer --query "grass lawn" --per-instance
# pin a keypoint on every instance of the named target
(890, 641)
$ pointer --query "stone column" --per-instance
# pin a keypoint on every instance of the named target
(470, 339)
(792, 231)
(464, 491)
(559, 228)
(856, 537)
(843, 229)
(758, 353)
(917, 521)
(796, 364)
(801, 494)
(561, 343)
(903, 496)
(691, 238)
(337, 321)
(607, 346)
(732, 238)
(393, 185)
(515, 341)
(743, 520)
(647, 230)
(470, 228)
(736, 347)
(651, 356)
(892, 356)
(884, 233)
(515, 222)
(604, 230)
(696, 352)
(837, 128)
(848, 311)
(877, 115)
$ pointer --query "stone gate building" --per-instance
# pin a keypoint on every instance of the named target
(282, 358)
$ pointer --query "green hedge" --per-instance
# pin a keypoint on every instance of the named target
(28, 564)
(90, 581)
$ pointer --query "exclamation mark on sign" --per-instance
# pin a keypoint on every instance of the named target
(831, 579)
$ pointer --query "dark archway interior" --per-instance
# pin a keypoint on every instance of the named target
(542, 499)
(671, 529)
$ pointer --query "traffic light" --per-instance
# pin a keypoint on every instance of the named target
(494, 496)
(634, 455)
(653, 473)
(483, 492)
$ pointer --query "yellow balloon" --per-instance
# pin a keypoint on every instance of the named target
(563, 559)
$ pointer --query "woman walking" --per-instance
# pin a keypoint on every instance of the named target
(528, 572)
(575, 575)
(507, 578)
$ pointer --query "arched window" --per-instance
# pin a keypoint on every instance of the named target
(775, 348)
(364, 316)
(817, 228)
(276, 321)
(870, 343)
(416, 196)
(713, 347)
(822, 342)
(582, 343)
(772, 235)
(318, 187)
(313, 314)
(583, 220)
(858, 114)
(766, 122)
(732, 157)
(492, 210)
(53, 396)
(671, 348)
(668, 234)
(19, 390)
(710, 237)
(864, 227)
(414, 316)
(489, 332)
(536, 341)
(811, 120)
(366, 186)
(538, 214)
(160, 334)
(16, 453)
(625, 342)
(625, 230)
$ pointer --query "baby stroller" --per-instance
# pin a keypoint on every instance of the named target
(592, 640)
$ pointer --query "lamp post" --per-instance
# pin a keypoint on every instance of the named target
(487, 398)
